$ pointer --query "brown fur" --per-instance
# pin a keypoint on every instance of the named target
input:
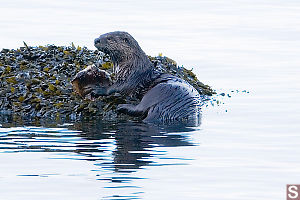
(90, 77)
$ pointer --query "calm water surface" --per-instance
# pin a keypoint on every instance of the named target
(247, 147)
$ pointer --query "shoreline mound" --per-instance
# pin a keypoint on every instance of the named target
(35, 82)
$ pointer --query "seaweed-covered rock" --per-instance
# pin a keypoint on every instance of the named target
(35, 82)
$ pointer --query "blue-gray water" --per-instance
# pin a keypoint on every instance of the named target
(246, 148)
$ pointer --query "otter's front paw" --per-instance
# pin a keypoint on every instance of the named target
(95, 91)
(86, 90)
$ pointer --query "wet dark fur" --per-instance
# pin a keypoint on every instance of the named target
(134, 71)
(163, 96)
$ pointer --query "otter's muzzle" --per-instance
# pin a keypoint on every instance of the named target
(96, 41)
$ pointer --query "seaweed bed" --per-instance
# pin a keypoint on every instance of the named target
(35, 82)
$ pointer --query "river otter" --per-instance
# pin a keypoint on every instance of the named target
(164, 97)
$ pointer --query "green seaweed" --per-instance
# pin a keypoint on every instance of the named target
(36, 82)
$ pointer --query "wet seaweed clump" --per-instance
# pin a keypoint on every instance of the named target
(35, 82)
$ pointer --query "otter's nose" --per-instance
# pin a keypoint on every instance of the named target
(97, 40)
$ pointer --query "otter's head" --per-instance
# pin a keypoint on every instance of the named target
(120, 46)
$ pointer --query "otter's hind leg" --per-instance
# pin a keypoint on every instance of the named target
(132, 110)
(153, 103)
(147, 108)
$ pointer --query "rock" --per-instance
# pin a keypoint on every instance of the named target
(38, 82)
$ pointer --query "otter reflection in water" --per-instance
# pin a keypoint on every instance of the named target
(163, 97)
(134, 142)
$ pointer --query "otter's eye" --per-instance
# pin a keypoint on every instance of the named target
(126, 40)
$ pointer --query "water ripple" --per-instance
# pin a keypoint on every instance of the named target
(116, 150)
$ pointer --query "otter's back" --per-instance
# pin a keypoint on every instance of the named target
(173, 99)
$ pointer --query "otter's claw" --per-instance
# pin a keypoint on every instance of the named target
(86, 90)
